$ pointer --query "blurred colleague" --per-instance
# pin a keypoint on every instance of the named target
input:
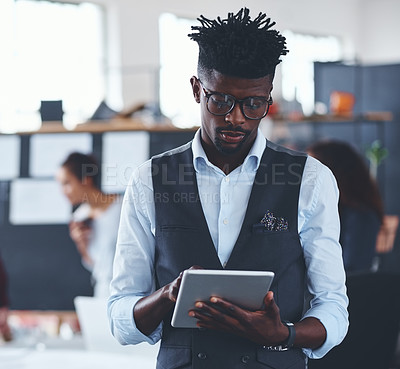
(95, 221)
(230, 199)
(5, 331)
(360, 203)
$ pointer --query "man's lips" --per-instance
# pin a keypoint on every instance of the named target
(232, 136)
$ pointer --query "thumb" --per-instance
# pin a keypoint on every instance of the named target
(268, 298)
(269, 303)
(271, 309)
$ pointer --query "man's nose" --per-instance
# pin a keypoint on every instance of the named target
(236, 116)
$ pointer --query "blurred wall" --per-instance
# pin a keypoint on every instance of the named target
(379, 32)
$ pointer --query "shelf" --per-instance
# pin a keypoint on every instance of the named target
(115, 125)
(330, 118)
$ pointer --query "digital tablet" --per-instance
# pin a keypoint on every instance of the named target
(243, 288)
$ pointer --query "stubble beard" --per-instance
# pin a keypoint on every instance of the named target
(226, 150)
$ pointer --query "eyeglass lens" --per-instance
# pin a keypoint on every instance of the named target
(252, 107)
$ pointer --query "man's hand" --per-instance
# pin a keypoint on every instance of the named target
(150, 310)
(262, 326)
(80, 234)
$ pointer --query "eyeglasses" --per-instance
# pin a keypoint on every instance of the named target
(253, 107)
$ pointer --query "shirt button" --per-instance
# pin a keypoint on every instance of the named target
(202, 356)
(245, 359)
(225, 221)
(227, 179)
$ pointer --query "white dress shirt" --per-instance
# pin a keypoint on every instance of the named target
(224, 200)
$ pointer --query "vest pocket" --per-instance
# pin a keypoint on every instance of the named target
(174, 357)
(178, 228)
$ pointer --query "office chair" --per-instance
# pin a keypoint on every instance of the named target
(374, 315)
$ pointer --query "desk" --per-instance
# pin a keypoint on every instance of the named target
(38, 343)
(34, 352)
(26, 358)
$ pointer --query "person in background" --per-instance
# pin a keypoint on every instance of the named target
(230, 199)
(360, 203)
(5, 331)
(95, 221)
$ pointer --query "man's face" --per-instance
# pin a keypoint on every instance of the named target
(232, 133)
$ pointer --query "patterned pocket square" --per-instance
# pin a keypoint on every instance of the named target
(273, 223)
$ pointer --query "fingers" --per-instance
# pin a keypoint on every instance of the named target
(174, 287)
(79, 232)
(210, 316)
(221, 310)
(259, 326)
(227, 307)
(195, 267)
(82, 226)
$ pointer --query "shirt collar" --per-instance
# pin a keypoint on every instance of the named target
(251, 162)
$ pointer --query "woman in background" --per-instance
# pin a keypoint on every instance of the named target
(95, 221)
(360, 203)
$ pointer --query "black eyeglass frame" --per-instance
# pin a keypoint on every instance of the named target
(209, 93)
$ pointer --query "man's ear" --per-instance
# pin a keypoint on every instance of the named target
(196, 88)
(272, 87)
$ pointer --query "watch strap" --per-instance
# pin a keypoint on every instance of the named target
(288, 343)
(292, 334)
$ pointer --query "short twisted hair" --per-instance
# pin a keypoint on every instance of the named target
(239, 46)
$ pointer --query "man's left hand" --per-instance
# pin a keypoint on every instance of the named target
(262, 326)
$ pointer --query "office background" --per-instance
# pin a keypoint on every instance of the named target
(44, 268)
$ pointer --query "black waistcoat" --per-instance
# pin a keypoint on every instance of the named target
(183, 240)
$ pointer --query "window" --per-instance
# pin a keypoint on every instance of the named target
(51, 51)
(178, 57)
(298, 66)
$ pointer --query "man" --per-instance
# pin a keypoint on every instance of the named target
(230, 199)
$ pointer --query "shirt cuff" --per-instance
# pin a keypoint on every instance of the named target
(123, 326)
(335, 332)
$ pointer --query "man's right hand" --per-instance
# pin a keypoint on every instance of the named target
(173, 287)
(150, 310)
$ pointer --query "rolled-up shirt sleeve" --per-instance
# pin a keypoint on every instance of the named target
(133, 270)
(319, 229)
